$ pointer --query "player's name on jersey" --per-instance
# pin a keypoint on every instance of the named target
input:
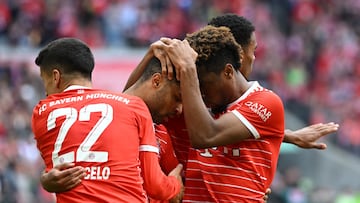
(97, 173)
(89, 96)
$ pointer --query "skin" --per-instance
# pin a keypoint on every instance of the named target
(248, 58)
(162, 96)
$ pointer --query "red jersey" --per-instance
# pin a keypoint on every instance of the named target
(167, 157)
(177, 130)
(101, 131)
(243, 171)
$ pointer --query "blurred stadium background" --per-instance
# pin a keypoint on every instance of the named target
(308, 52)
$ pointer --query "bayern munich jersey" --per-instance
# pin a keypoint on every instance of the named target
(243, 171)
(177, 130)
(167, 157)
(101, 131)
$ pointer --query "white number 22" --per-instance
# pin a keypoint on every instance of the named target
(83, 153)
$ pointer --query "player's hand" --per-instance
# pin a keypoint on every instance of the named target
(266, 196)
(62, 177)
(177, 173)
(159, 52)
(307, 137)
(181, 54)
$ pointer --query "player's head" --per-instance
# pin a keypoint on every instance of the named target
(63, 61)
(162, 96)
(218, 64)
(244, 33)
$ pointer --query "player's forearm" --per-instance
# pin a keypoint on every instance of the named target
(196, 114)
(138, 71)
(157, 185)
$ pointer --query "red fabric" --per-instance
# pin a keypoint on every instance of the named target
(113, 165)
(240, 172)
(167, 157)
(176, 128)
(157, 185)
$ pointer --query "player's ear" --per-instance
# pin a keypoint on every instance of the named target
(228, 71)
(156, 80)
(56, 75)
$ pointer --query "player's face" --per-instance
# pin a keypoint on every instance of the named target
(248, 57)
(167, 102)
(214, 89)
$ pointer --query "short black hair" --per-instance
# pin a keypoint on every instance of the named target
(70, 55)
(154, 66)
(216, 47)
(239, 26)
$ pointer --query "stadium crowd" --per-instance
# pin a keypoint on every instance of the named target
(308, 52)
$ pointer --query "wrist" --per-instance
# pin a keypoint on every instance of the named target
(290, 137)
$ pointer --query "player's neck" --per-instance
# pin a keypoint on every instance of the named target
(242, 85)
(83, 83)
(136, 90)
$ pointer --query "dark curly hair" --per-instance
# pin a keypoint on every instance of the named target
(239, 26)
(216, 47)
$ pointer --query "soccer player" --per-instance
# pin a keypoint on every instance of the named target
(163, 98)
(244, 33)
(233, 158)
(110, 135)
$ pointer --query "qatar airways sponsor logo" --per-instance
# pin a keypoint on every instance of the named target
(97, 173)
(259, 109)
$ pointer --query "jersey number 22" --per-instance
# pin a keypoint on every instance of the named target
(83, 153)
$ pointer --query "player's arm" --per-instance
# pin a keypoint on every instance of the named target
(156, 184)
(308, 136)
(204, 131)
(154, 50)
(62, 177)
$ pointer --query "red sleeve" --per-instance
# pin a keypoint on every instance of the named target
(167, 158)
(156, 183)
(263, 114)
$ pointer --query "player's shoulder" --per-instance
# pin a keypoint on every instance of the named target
(258, 91)
(115, 96)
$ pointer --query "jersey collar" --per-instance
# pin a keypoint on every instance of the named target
(75, 87)
(254, 84)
